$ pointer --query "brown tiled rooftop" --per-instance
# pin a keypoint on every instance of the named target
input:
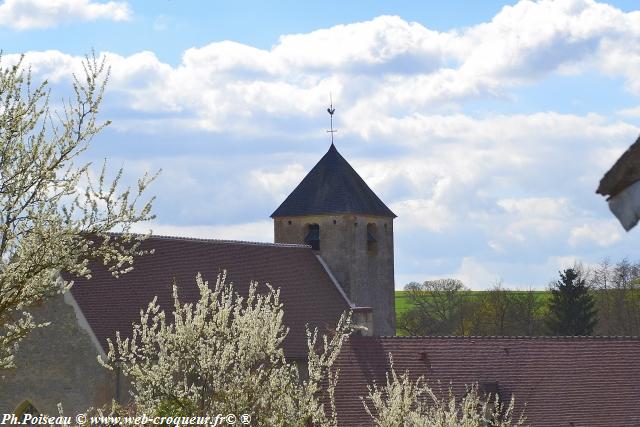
(564, 381)
(307, 292)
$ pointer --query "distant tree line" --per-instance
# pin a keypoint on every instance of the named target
(617, 297)
(603, 300)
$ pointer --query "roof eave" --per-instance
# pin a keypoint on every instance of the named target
(275, 215)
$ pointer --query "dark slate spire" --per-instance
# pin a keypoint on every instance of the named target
(332, 187)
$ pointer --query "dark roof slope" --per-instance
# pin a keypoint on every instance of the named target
(306, 290)
(623, 173)
(332, 187)
(564, 381)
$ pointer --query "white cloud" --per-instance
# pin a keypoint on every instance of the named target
(281, 182)
(28, 14)
(603, 233)
(379, 69)
(384, 44)
(633, 112)
(422, 213)
(535, 206)
(515, 186)
(475, 275)
(460, 167)
(260, 231)
(51, 65)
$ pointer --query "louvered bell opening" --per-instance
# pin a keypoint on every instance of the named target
(372, 242)
(313, 237)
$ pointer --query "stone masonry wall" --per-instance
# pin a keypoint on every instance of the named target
(366, 274)
(57, 364)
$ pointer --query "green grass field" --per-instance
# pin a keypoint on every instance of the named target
(403, 302)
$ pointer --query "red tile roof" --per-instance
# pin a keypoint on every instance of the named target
(306, 290)
(565, 381)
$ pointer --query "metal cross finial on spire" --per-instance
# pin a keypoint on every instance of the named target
(331, 110)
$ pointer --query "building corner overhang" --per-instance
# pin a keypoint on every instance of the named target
(626, 205)
(83, 323)
(362, 316)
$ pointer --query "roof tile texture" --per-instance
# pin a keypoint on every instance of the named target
(568, 381)
(307, 292)
(332, 187)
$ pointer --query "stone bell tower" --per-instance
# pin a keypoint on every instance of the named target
(335, 212)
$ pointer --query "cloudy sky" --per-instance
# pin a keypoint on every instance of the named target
(485, 126)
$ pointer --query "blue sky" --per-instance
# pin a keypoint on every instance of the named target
(484, 125)
(168, 27)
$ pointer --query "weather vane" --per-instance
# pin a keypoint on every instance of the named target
(331, 110)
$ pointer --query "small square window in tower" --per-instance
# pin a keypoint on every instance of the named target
(313, 236)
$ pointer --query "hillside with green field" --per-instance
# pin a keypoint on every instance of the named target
(403, 301)
(464, 312)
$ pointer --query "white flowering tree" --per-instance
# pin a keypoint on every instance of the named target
(224, 354)
(405, 403)
(53, 217)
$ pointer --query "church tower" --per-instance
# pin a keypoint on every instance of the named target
(335, 212)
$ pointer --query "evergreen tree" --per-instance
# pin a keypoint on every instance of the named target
(571, 309)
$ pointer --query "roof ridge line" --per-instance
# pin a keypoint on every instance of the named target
(519, 337)
(212, 240)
